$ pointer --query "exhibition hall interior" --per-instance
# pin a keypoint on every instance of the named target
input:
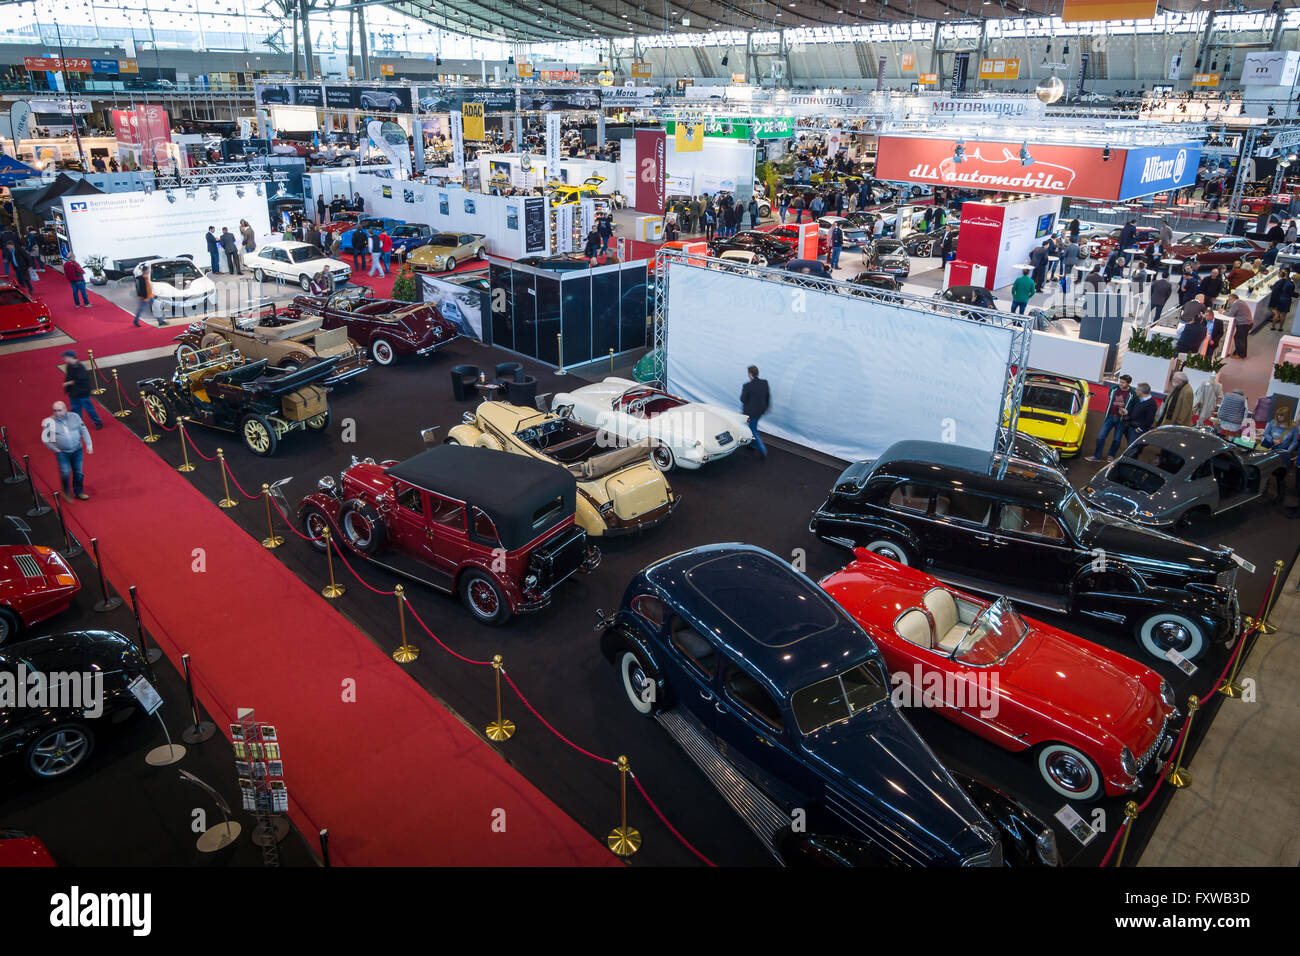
(682, 436)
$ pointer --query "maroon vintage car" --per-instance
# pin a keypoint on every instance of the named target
(21, 315)
(497, 530)
(35, 584)
(384, 327)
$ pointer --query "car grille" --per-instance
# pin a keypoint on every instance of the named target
(27, 564)
(1155, 746)
(1226, 579)
(558, 558)
(1041, 417)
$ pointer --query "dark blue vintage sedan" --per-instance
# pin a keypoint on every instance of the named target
(784, 702)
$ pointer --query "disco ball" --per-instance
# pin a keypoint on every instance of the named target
(1050, 90)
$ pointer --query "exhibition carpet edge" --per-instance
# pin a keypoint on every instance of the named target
(394, 776)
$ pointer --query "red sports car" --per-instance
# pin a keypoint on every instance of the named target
(1102, 246)
(1094, 718)
(22, 849)
(341, 222)
(35, 584)
(1204, 250)
(790, 236)
(21, 315)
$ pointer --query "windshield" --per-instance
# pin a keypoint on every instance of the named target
(173, 270)
(997, 631)
(837, 698)
(1152, 454)
(1050, 398)
(1196, 239)
(889, 247)
(1075, 514)
(444, 239)
(403, 231)
(305, 254)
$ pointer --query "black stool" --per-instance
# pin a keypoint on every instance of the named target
(523, 392)
(464, 382)
(514, 371)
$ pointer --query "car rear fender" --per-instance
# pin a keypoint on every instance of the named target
(465, 433)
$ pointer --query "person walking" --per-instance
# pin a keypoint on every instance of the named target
(592, 248)
(1178, 407)
(20, 263)
(1073, 229)
(837, 246)
(386, 248)
(1022, 290)
(246, 235)
(76, 277)
(64, 433)
(214, 250)
(1242, 320)
(1118, 404)
(1038, 260)
(1166, 233)
(144, 292)
(76, 383)
(1160, 292)
(755, 397)
(605, 227)
(322, 210)
(376, 254)
(32, 243)
(1279, 301)
(1142, 415)
(783, 204)
(798, 209)
(359, 246)
(232, 252)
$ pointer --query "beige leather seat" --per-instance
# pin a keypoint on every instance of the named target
(912, 625)
(949, 628)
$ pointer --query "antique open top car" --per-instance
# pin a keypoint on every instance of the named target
(619, 488)
(454, 519)
(286, 340)
(219, 388)
(386, 327)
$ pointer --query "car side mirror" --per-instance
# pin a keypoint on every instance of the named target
(429, 436)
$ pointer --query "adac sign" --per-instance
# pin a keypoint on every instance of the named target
(1156, 169)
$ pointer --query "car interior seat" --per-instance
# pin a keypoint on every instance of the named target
(914, 625)
(951, 619)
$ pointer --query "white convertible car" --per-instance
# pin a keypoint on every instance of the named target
(179, 288)
(294, 262)
(688, 433)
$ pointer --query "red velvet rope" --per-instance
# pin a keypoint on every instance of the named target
(238, 487)
(196, 447)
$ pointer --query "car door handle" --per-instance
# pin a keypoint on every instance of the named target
(706, 695)
(763, 740)
(982, 538)
(717, 705)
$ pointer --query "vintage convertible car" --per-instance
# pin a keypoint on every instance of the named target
(888, 256)
(387, 328)
(294, 262)
(21, 316)
(443, 251)
(1054, 409)
(1094, 718)
(454, 519)
(216, 387)
(686, 434)
(286, 340)
(35, 584)
(619, 489)
(783, 701)
(1174, 476)
(179, 288)
(1029, 536)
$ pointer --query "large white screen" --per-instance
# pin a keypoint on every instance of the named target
(848, 376)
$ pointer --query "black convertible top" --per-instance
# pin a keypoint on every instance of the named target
(515, 491)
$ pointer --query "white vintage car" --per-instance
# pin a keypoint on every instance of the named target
(688, 433)
(294, 262)
(179, 287)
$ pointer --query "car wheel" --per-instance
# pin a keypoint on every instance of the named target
(211, 340)
(314, 525)
(450, 441)
(257, 274)
(640, 683)
(1165, 630)
(185, 354)
(891, 549)
(1193, 517)
(319, 423)
(1069, 772)
(663, 458)
(381, 350)
(451, 263)
(481, 254)
(304, 283)
(9, 625)
(482, 595)
(157, 408)
(258, 435)
(59, 750)
(362, 526)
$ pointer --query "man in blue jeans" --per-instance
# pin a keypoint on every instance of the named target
(214, 250)
(64, 433)
(77, 384)
(837, 246)
(754, 400)
(1119, 405)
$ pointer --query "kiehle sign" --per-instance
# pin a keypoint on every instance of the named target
(651, 171)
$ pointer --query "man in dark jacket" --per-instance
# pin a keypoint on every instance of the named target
(360, 245)
(1160, 290)
(77, 384)
(214, 251)
(20, 263)
(1038, 259)
(605, 228)
(754, 400)
(1192, 337)
(1119, 405)
(1127, 236)
(232, 252)
(1211, 287)
(1142, 413)
(1188, 286)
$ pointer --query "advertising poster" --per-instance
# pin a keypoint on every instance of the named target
(545, 99)
(651, 174)
(382, 99)
(688, 136)
(289, 193)
(960, 67)
(143, 134)
(472, 121)
(534, 224)
(553, 145)
(564, 228)
(613, 97)
(390, 139)
(457, 143)
(457, 303)
(450, 99)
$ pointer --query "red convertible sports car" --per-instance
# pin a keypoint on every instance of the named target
(21, 315)
(790, 236)
(1093, 718)
(35, 584)
(385, 327)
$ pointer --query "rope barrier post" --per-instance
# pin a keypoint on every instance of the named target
(272, 540)
(501, 729)
(199, 730)
(405, 653)
(13, 478)
(1179, 776)
(623, 840)
(1130, 814)
(185, 452)
(37, 509)
(1230, 688)
(226, 501)
(559, 349)
(149, 437)
(611, 361)
(70, 546)
(105, 603)
(1274, 586)
(332, 590)
(325, 848)
(152, 654)
(121, 412)
(94, 374)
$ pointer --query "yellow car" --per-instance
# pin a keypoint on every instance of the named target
(1054, 409)
(619, 488)
(446, 250)
(562, 194)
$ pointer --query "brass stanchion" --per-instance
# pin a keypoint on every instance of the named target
(97, 389)
(70, 546)
(623, 840)
(559, 349)
(611, 361)
(500, 729)
(1230, 687)
(405, 653)
(333, 589)
(122, 412)
(227, 501)
(1130, 811)
(1179, 776)
(1275, 586)
(272, 540)
(149, 437)
(185, 452)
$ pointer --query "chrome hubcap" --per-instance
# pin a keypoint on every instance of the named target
(1169, 634)
(358, 529)
(1069, 772)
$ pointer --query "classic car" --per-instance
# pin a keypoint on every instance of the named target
(881, 281)
(1030, 449)
(292, 147)
(743, 257)
(19, 848)
(1054, 409)
(443, 251)
(218, 388)
(35, 584)
(561, 262)
(452, 518)
(1205, 251)
(294, 262)
(975, 295)
(783, 702)
(21, 316)
(378, 224)
(686, 434)
(789, 236)
(563, 194)
(1102, 246)
(887, 255)
(855, 236)
(380, 100)
(1176, 477)
(343, 221)
(927, 244)
(1094, 718)
(809, 267)
(53, 741)
(274, 94)
(619, 489)
(1029, 536)
(286, 339)
(385, 327)
(179, 288)
(409, 235)
(773, 250)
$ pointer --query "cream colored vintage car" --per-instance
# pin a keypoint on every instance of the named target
(619, 488)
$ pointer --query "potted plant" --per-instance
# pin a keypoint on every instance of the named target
(96, 266)
(405, 286)
(1200, 368)
(1150, 359)
(1285, 380)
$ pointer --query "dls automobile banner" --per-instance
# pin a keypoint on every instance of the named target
(651, 174)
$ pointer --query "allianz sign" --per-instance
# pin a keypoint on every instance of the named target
(1155, 169)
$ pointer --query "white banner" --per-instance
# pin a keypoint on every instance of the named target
(457, 140)
(613, 97)
(1271, 68)
(586, 217)
(564, 228)
(824, 352)
(553, 145)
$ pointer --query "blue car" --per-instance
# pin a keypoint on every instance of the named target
(783, 701)
(409, 235)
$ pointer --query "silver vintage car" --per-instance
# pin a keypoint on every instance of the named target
(1175, 477)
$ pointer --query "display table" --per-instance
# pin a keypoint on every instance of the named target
(1171, 264)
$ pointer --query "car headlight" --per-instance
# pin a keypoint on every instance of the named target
(1046, 848)
(1167, 694)
(327, 484)
(530, 582)
(1127, 761)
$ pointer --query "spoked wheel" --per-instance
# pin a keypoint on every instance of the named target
(1069, 772)
(258, 435)
(482, 595)
(157, 408)
(319, 422)
(314, 525)
(59, 750)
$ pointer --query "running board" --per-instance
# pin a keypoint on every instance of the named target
(753, 806)
(407, 567)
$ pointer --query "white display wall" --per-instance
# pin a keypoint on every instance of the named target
(346, 180)
(572, 171)
(499, 219)
(1019, 234)
(722, 164)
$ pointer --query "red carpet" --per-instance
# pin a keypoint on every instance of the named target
(395, 778)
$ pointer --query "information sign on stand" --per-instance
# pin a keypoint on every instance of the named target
(262, 789)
